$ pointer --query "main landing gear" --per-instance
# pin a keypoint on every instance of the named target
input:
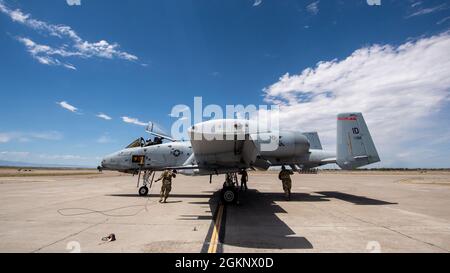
(230, 190)
(143, 191)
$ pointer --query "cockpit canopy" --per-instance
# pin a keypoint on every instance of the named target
(141, 142)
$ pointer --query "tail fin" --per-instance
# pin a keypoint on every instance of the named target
(355, 147)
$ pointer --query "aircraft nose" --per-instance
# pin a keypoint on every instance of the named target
(104, 165)
(106, 162)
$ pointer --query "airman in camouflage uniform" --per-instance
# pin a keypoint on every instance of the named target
(166, 187)
(285, 177)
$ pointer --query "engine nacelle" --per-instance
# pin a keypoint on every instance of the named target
(290, 144)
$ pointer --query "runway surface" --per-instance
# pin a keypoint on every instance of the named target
(329, 212)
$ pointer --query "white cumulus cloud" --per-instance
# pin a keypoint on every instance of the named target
(6, 137)
(424, 11)
(67, 106)
(73, 2)
(72, 44)
(313, 8)
(257, 3)
(47, 55)
(104, 116)
(45, 158)
(51, 135)
(401, 90)
(133, 121)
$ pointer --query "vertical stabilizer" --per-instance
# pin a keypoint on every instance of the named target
(355, 147)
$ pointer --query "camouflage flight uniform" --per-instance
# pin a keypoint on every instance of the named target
(166, 187)
(285, 177)
(244, 179)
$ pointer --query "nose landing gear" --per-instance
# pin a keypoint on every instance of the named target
(143, 191)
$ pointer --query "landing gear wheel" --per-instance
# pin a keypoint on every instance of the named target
(143, 191)
(229, 195)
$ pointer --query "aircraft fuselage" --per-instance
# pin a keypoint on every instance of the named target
(293, 148)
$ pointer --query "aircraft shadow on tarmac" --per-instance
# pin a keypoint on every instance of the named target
(355, 199)
(157, 195)
(254, 222)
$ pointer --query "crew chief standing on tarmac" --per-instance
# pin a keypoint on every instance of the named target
(166, 186)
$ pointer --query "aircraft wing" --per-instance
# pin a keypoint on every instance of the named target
(227, 154)
(192, 167)
(224, 153)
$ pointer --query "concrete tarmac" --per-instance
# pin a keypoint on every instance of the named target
(329, 212)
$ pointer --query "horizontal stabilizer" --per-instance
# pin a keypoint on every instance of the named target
(328, 161)
(314, 140)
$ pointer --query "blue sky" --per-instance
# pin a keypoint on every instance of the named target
(138, 59)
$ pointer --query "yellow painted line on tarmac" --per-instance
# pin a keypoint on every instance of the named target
(215, 235)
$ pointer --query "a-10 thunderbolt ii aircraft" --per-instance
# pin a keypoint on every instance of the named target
(239, 148)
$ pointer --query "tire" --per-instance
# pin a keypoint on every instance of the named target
(229, 195)
(143, 191)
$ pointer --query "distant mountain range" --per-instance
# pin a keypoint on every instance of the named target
(4, 163)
